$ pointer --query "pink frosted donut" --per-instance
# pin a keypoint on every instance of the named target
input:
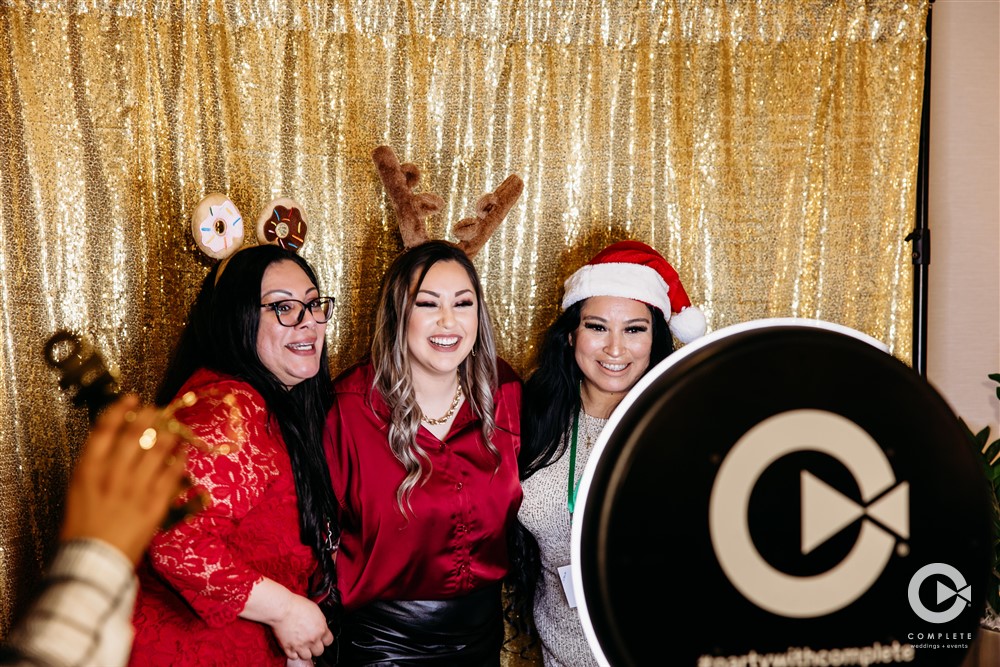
(281, 223)
(217, 226)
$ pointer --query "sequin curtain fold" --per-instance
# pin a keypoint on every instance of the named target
(768, 149)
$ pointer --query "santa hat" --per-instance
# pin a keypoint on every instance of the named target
(634, 270)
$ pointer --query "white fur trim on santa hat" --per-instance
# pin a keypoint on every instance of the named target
(688, 324)
(631, 281)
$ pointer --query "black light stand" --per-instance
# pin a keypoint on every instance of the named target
(921, 235)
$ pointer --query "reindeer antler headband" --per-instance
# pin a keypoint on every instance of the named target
(413, 208)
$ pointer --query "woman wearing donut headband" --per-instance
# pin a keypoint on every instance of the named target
(239, 583)
(422, 444)
(619, 311)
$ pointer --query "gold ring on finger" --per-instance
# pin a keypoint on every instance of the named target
(148, 438)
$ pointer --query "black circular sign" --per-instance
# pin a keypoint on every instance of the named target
(782, 492)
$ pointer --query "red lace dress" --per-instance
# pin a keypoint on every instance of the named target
(198, 575)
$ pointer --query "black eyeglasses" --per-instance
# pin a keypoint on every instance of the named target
(291, 311)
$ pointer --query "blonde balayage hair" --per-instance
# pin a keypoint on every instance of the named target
(393, 380)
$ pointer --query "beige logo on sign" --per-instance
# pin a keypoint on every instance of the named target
(825, 512)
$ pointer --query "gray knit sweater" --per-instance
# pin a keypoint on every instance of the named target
(544, 512)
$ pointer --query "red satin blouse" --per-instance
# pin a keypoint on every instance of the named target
(454, 540)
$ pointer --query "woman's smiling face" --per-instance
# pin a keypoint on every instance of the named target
(612, 344)
(444, 320)
(292, 354)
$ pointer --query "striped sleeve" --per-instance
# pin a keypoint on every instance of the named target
(83, 616)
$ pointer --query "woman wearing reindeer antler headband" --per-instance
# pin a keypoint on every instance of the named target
(422, 444)
(619, 311)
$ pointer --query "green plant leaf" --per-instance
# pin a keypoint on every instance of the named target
(988, 451)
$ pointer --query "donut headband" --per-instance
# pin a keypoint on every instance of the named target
(218, 227)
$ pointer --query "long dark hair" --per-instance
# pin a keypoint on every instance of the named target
(221, 335)
(393, 379)
(551, 398)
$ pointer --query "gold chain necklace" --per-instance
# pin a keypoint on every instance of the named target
(451, 410)
(592, 427)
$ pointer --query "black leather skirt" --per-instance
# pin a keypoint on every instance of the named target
(459, 632)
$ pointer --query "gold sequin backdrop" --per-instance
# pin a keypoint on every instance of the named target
(768, 149)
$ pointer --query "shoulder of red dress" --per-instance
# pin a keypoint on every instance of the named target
(356, 379)
(506, 374)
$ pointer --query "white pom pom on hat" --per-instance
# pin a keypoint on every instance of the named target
(634, 270)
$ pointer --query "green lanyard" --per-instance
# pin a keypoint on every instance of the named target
(572, 488)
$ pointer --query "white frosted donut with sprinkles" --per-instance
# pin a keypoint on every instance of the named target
(282, 223)
(217, 226)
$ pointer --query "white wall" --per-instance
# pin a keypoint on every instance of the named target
(963, 332)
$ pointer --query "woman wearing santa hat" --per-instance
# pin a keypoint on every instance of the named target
(619, 311)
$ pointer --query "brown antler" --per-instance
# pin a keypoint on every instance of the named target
(411, 209)
(491, 209)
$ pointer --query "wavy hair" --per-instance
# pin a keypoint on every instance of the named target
(221, 335)
(393, 378)
(551, 398)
